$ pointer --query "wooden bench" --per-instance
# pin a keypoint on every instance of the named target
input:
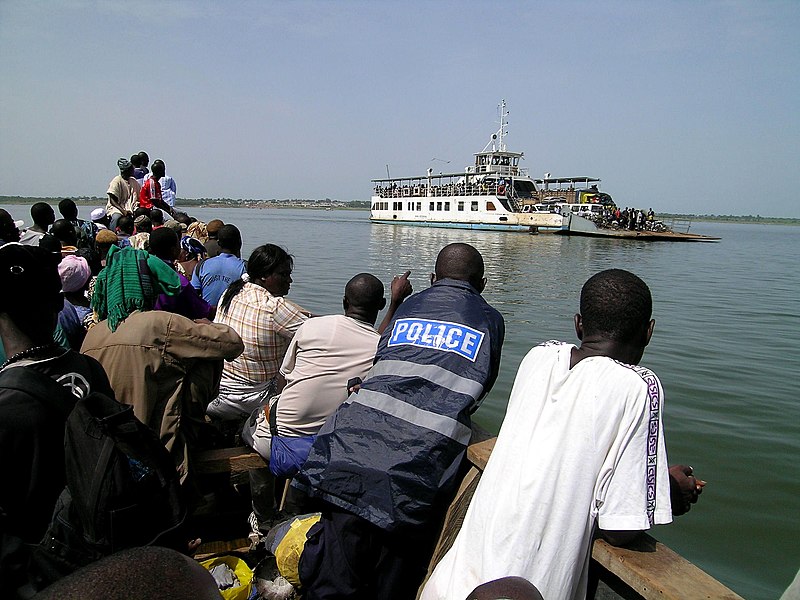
(227, 460)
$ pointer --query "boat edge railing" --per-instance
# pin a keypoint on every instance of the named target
(644, 569)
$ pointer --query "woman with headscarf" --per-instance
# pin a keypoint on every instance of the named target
(192, 252)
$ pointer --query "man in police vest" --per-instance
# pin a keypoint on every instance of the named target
(386, 464)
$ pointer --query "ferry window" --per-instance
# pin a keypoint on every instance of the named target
(419, 205)
(474, 205)
(430, 206)
(397, 206)
(460, 205)
(438, 206)
(447, 206)
(490, 205)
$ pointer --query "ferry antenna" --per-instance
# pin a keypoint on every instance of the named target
(500, 132)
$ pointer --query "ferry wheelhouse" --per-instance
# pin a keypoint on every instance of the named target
(489, 194)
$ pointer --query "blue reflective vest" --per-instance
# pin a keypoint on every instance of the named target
(391, 454)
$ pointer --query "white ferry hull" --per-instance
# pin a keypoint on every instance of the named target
(495, 220)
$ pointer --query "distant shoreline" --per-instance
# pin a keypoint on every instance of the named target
(188, 203)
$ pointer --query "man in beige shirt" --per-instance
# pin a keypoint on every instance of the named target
(123, 193)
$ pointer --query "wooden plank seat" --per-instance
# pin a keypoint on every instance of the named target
(227, 460)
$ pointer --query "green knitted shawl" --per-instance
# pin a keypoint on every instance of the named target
(131, 280)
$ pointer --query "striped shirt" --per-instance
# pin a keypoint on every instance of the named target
(266, 324)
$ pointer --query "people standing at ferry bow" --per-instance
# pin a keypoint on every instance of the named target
(255, 306)
(150, 195)
(387, 461)
(581, 448)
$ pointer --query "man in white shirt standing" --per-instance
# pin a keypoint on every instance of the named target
(581, 447)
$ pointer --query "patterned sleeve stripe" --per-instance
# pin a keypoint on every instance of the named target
(654, 400)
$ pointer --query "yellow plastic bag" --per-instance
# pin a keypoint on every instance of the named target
(288, 552)
(243, 573)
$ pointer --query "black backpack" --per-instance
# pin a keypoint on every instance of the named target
(122, 487)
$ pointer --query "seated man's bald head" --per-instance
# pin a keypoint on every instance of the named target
(462, 262)
(365, 292)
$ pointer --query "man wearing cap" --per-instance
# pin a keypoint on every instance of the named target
(39, 384)
(212, 244)
(75, 274)
(103, 242)
(123, 192)
(144, 226)
(43, 216)
(100, 218)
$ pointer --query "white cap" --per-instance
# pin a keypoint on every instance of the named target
(97, 214)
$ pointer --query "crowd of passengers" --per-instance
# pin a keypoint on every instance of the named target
(370, 420)
(486, 187)
(633, 219)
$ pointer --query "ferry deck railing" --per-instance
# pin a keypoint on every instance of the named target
(447, 190)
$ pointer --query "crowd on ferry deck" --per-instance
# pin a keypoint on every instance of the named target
(145, 288)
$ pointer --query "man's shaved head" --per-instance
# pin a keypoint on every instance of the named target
(365, 291)
(462, 262)
(616, 304)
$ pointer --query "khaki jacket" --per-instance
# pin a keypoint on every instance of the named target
(168, 368)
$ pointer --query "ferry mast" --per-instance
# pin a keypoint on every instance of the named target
(500, 132)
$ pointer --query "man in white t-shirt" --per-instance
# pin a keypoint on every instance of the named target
(581, 447)
(324, 356)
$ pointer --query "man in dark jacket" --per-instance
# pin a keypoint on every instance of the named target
(386, 464)
(39, 385)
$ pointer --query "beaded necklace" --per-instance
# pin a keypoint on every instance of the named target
(27, 353)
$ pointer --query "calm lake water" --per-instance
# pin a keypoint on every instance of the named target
(725, 347)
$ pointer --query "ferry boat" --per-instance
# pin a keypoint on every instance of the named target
(496, 193)
(490, 194)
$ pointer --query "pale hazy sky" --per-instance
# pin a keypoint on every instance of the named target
(682, 106)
